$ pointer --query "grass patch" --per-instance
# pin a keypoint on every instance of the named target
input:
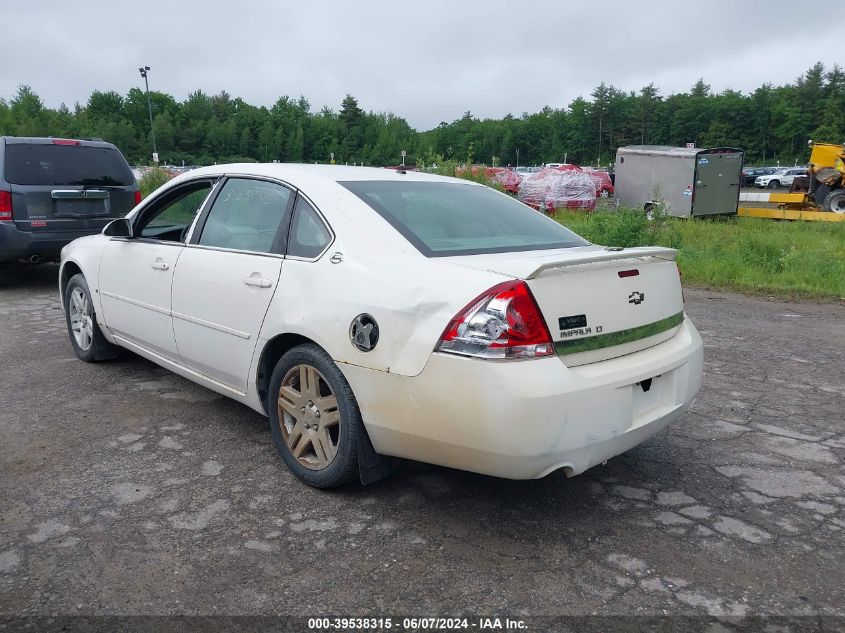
(752, 255)
(152, 180)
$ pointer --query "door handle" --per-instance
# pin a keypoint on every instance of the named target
(160, 265)
(258, 282)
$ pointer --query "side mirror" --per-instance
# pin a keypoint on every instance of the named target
(118, 228)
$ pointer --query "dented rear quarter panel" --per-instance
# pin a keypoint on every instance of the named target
(411, 297)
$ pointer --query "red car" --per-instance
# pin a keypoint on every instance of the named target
(604, 186)
(567, 187)
(509, 180)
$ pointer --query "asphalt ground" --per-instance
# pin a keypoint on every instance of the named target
(126, 490)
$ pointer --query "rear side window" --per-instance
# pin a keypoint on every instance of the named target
(443, 218)
(48, 164)
(247, 216)
(308, 235)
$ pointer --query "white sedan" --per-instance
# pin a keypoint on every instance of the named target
(374, 313)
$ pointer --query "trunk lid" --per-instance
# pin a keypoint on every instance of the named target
(598, 303)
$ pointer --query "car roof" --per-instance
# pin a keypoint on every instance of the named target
(48, 140)
(294, 172)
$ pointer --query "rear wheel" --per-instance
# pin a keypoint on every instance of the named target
(314, 417)
(835, 201)
(604, 193)
(773, 184)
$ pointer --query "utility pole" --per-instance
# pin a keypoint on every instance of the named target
(144, 70)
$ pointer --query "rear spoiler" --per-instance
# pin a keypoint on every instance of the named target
(608, 255)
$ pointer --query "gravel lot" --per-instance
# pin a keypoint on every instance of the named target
(128, 490)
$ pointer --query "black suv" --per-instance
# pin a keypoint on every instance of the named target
(53, 190)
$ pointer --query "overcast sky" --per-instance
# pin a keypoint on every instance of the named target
(425, 60)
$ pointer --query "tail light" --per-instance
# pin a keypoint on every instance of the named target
(6, 206)
(504, 322)
(137, 198)
(65, 141)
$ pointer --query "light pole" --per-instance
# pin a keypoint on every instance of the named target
(144, 70)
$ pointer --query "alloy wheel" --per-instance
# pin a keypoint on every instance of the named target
(81, 319)
(309, 417)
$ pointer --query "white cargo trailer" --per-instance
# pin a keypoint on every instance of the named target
(688, 181)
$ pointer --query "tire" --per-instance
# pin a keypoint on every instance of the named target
(773, 184)
(87, 339)
(820, 194)
(327, 451)
(604, 193)
(835, 201)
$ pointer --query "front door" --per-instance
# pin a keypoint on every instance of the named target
(227, 276)
(136, 274)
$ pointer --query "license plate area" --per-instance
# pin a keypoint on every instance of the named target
(648, 395)
(81, 208)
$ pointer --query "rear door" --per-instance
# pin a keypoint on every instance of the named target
(717, 182)
(61, 185)
(789, 176)
(226, 277)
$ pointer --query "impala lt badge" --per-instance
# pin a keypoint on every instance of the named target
(636, 298)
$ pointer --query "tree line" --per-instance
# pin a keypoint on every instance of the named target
(772, 123)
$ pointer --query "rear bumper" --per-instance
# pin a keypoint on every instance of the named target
(525, 419)
(17, 244)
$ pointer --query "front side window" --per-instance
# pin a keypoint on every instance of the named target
(444, 218)
(308, 235)
(169, 220)
(247, 216)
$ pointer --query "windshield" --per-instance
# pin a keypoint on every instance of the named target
(444, 218)
(82, 165)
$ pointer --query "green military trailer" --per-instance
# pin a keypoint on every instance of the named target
(687, 181)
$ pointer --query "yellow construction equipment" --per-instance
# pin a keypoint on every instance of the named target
(820, 196)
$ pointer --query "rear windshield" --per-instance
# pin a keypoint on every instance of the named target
(48, 164)
(443, 218)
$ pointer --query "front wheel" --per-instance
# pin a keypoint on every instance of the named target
(774, 184)
(314, 418)
(604, 193)
(85, 336)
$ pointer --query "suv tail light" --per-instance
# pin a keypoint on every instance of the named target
(137, 198)
(504, 322)
(6, 206)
